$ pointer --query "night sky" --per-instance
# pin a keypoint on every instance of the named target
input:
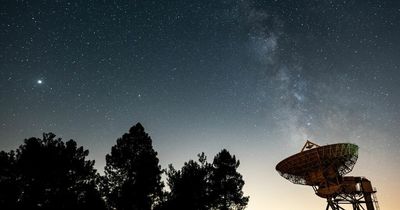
(257, 77)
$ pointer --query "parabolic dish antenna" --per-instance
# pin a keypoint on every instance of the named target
(323, 168)
(311, 167)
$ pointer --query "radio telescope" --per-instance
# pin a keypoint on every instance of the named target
(324, 169)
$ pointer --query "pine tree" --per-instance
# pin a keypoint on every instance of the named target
(226, 183)
(50, 174)
(132, 172)
(189, 186)
(204, 186)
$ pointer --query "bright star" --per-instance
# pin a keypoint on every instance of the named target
(39, 81)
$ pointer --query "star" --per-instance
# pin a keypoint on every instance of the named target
(39, 81)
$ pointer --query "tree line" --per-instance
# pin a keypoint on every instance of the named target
(49, 173)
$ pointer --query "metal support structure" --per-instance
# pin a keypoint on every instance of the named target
(356, 192)
(333, 205)
(375, 200)
(309, 145)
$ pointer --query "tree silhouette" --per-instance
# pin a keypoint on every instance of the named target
(189, 186)
(201, 185)
(8, 187)
(132, 172)
(226, 183)
(51, 174)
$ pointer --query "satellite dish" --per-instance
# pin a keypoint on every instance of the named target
(323, 168)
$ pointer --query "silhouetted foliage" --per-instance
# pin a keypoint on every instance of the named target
(8, 179)
(226, 183)
(50, 174)
(189, 187)
(201, 185)
(132, 172)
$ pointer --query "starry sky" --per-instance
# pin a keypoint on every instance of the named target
(258, 77)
